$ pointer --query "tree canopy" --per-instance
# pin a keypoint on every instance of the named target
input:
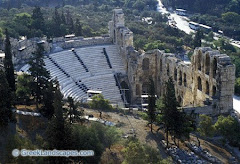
(8, 64)
(5, 101)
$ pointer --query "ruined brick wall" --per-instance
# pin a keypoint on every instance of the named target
(206, 82)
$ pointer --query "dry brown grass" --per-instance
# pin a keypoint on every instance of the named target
(152, 139)
(29, 108)
(115, 156)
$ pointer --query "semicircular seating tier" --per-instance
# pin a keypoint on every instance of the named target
(87, 68)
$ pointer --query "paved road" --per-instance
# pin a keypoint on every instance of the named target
(236, 103)
(181, 22)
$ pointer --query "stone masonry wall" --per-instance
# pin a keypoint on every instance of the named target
(22, 49)
(207, 82)
(79, 42)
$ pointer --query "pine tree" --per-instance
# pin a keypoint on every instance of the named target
(5, 101)
(40, 75)
(8, 64)
(151, 103)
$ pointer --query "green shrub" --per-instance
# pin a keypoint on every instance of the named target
(143, 115)
(98, 102)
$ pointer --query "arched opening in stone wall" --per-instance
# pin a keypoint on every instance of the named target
(175, 74)
(185, 80)
(199, 84)
(214, 67)
(114, 35)
(199, 59)
(207, 64)
(180, 78)
(168, 69)
(138, 90)
(145, 88)
(179, 99)
(160, 64)
(126, 91)
(121, 39)
(214, 90)
(145, 64)
(207, 88)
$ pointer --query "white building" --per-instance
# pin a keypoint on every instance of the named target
(194, 25)
(2, 56)
(181, 12)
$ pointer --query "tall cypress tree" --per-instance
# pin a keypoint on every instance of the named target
(169, 111)
(73, 113)
(48, 99)
(175, 121)
(8, 64)
(5, 101)
(151, 103)
(59, 133)
(197, 41)
(58, 110)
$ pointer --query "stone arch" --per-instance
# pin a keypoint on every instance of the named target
(179, 99)
(207, 64)
(214, 91)
(214, 67)
(126, 91)
(145, 64)
(199, 59)
(138, 90)
(207, 88)
(185, 80)
(114, 36)
(180, 78)
(160, 64)
(168, 69)
(145, 88)
(121, 39)
(199, 83)
(175, 74)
